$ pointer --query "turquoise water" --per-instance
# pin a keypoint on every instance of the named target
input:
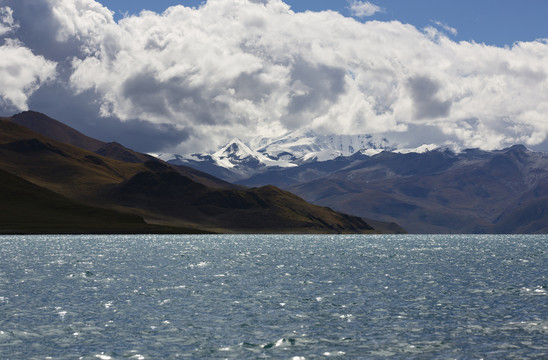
(281, 297)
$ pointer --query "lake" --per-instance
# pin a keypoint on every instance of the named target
(274, 296)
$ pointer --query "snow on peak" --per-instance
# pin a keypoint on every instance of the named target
(307, 145)
(236, 148)
(237, 153)
(291, 150)
(167, 157)
(419, 150)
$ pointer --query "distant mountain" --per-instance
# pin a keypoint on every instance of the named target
(302, 146)
(168, 196)
(232, 162)
(438, 191)
(237, 161)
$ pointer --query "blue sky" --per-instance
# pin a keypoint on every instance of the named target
(493, 22)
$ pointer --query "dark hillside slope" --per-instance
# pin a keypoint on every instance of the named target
(58, 131)
(62, 168)
(265, 209)
(30, 209)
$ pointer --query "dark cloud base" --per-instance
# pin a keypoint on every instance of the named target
(81, 112)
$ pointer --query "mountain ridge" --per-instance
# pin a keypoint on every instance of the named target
(236, 160)
(438, 191)
(160, 193)
(426, 190)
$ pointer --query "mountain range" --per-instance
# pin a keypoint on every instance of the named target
(238, 161)
(54, 179)
(429, 190)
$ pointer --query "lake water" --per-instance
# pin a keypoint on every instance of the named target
(284, 297)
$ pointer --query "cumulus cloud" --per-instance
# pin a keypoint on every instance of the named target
(59, 29)
(80, 19)
(363, 8)
(21, 73)
(246, 68)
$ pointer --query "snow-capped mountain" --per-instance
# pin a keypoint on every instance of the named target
(233, 162)
(237, 154)
(236, 160)
(303, 146)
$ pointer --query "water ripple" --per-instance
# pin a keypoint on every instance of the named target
(279, 296)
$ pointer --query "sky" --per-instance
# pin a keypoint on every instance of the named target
(188, 76)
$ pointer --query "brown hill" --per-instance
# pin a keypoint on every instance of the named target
(62, 168)
(58, 131)
(30, 209)
(157, 191)
(265, 209)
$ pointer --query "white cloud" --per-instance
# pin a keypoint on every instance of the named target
(237, 67)
(246, 68)
(80, 19)
(363, 8)
(21, 73)
(7, 24)
(447, 28)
